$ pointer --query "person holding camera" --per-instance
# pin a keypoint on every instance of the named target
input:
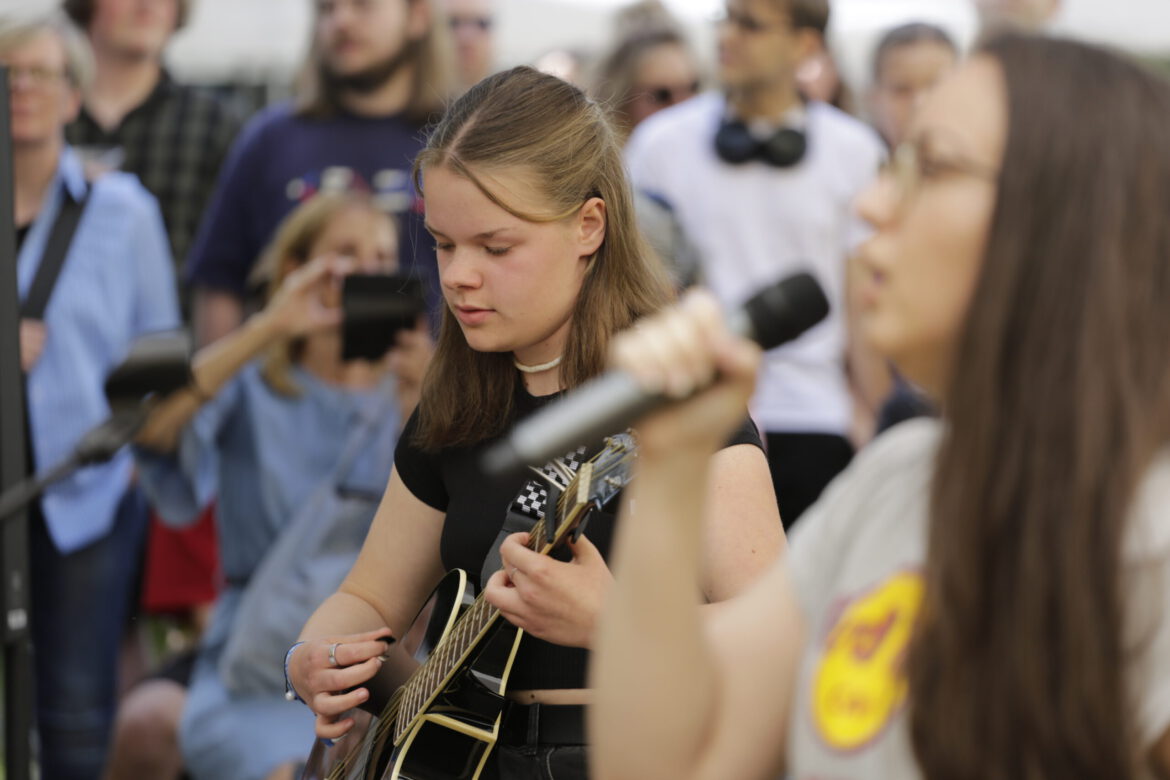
(283, 428)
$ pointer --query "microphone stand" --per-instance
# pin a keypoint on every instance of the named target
(16, 665)
(98, 445)
(158, 364)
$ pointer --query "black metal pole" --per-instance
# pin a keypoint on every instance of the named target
(18, 678)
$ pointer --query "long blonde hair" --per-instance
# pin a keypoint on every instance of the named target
(524, 120)
(289, 249)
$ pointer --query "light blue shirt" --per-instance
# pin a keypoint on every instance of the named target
(116, 285)
(298, 481)
(264, 455)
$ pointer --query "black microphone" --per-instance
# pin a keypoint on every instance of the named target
(611, 402)
(158, 364)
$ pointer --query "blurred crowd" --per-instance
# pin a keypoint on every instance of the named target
(143, 203)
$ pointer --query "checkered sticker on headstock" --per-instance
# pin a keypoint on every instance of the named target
(532, 499)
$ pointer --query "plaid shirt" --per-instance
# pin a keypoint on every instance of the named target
(174, 142)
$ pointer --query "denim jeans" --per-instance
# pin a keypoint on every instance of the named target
(542, 762)
(80, 602)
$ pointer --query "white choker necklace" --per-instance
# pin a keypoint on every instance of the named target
(527, 369)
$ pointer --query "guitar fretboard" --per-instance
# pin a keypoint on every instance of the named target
(473, 624)
(595, 484)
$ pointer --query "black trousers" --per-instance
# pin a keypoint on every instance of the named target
(540, 742)
(542, 762)
(802, 464)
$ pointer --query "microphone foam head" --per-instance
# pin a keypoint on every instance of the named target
(781, 312)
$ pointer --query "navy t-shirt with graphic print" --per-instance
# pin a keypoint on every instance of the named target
(451, 481)
(280, 160)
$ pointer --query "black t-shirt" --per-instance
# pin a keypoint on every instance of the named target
(451, 481)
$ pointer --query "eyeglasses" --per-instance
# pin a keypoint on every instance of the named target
(747, 24)
(909, 166)
(34, 76)
(475, 23)
(669, 95)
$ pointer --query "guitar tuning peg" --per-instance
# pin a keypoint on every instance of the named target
(620, 442)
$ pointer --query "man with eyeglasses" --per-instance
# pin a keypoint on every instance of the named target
(762, 183)
(471, 23)
(378, 72)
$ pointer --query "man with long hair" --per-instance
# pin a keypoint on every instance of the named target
(377, 71)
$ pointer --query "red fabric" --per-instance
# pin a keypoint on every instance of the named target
(182, 566)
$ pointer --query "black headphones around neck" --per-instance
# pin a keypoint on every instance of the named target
(734, 143)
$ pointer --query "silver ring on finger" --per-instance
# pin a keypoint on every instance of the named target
(333, 653)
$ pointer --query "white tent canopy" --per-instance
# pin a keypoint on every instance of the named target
(266, 39)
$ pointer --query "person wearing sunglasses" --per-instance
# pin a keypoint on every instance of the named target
(760, 181)
(650, 69)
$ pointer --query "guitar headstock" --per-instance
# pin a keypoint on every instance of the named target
(592, 487)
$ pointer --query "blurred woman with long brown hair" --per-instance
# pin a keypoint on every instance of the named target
(985, 596)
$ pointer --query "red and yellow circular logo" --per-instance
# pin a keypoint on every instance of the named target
(859, 685)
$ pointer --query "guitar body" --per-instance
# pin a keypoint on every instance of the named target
(453, 737)
(439, 697)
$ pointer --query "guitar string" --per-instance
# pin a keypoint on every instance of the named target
(395, 713)
(423, 682)
(342, 767)
(476, 615)
(439, 667)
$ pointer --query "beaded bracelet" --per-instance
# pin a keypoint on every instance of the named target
(290, 693)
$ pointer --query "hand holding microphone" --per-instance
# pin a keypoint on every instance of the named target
(667, 353)
(689, 356)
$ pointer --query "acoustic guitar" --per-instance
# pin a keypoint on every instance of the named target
(443, 684)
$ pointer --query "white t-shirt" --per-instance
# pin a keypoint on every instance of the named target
(754, 224)
(856, 565)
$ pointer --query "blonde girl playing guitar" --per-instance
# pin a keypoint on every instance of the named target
(540, 265)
